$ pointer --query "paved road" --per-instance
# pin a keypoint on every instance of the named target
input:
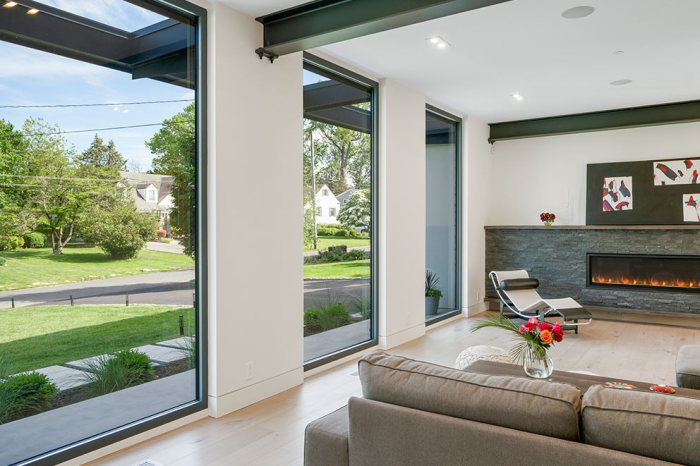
(349, 291)
(167, 288)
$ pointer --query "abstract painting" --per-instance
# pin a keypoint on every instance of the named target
(617, 193)
(691, 208)
(672, 172)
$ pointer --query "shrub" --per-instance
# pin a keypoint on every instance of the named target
(160, 233)
(333, 254)
(363, 305)
(121, 232)
(25, 394)
(125, 369)
(10, 243)
(3, 261)
(326, 317)
(34, 240)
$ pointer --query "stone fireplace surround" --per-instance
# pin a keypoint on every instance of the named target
(557, 257)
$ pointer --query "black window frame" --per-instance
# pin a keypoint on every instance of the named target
(321, 66)
(102, 439)
(440, 114)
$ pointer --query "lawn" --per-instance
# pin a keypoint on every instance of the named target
(29, 268)
(325, 241)
(353, 269)
(36, 337)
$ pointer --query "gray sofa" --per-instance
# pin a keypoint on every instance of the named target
(416, 413)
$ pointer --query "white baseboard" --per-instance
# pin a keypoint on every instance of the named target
(225, 404)
(136, 439)
(404, 336)
(475, 309)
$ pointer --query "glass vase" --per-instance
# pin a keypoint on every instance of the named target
(538, 365)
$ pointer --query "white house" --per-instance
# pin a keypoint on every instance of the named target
(327, 206)
(152, 194)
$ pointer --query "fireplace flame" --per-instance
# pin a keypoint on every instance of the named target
(638, 281)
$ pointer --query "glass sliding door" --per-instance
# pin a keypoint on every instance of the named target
(101, 208)
(339, 148)
(442, 239)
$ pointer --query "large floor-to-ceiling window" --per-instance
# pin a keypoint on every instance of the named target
(101, 209)
(442, 239)
(339, 148)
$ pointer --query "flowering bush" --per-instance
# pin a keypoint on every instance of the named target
(547, 217)
(535, 337)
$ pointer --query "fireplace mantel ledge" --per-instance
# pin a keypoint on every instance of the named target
(593, 227)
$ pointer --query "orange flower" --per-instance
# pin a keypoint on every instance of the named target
(546, 337)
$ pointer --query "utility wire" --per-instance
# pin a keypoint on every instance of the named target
(118, 104)
(53, 133)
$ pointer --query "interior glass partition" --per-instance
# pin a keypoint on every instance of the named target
(339, 148)
(102, 260)
(442, 168)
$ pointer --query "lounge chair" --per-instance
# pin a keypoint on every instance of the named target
(518, 292)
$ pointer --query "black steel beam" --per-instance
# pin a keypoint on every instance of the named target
(328, 94)
(324, 22)
(665, 114)
(352, 118)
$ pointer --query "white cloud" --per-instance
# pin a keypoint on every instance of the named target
(21, 62)
(116, 13)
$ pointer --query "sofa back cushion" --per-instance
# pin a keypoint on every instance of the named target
(659, 426)
(529, 405)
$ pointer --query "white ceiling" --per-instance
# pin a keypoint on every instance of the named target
(561, 66)
(257, 8)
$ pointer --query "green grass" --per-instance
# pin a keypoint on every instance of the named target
(29, 268)
(36, 337)
(353, 269)
(325, 241)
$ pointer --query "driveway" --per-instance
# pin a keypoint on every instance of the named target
(163, 288)
(349, 291)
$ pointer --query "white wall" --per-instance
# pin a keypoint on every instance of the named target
(549, 173)
(256, 299)
(477, 188)
(401, 214)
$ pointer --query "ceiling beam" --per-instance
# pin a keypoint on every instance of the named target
(652, 115)
(325, 22)
(352, 118)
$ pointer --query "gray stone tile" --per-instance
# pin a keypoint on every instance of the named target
(162, 354)
(64, 377)
(178, 343)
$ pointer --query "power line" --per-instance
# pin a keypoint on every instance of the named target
(118, 104)
(53, 133)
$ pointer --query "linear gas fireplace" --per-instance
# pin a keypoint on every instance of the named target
(648, 272)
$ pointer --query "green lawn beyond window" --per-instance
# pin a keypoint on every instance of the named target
(29, 268)
(353, 269)
(325, 241)
(36, 337)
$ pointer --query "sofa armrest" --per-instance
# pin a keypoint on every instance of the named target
(326, 440)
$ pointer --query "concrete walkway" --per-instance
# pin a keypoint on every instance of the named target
(173, 247)
(166, 288)
(336, 339)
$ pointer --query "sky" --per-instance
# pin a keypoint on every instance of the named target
(32, 77)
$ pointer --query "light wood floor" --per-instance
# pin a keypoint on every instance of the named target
(271, 432)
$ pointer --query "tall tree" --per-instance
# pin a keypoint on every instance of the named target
(101, 155)
(13, 167)
(175, 147)
(54, 189)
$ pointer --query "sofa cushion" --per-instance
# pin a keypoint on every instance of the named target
(530, 405)
(326, 440)
(650, 424)
(688, 367)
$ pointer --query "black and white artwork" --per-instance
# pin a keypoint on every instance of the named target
(691, 208)
(676, 172)
(617, 193)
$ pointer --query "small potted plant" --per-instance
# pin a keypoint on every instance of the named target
(432, 294)
(547, 218)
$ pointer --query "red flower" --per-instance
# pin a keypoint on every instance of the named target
(523, 329)
(545, 326)
(558, 332)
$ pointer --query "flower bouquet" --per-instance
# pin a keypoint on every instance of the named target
(547, 218)
(534, 339)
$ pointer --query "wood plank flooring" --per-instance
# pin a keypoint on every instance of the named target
(271, 432)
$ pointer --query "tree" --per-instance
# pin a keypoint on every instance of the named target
(102, 156)
(121, 231)
(357, 212)
(54, 190)
(175, 147)
(13, 167)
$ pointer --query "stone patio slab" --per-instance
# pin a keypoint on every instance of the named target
(84, 364)
(182, 342)
(162, 354)
(64, 377)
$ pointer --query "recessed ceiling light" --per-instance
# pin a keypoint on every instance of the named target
(438, 42)
(621, 82)
(618, 52)
(9, 4)
(517, 96)
(32, 11)
(578, 12)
